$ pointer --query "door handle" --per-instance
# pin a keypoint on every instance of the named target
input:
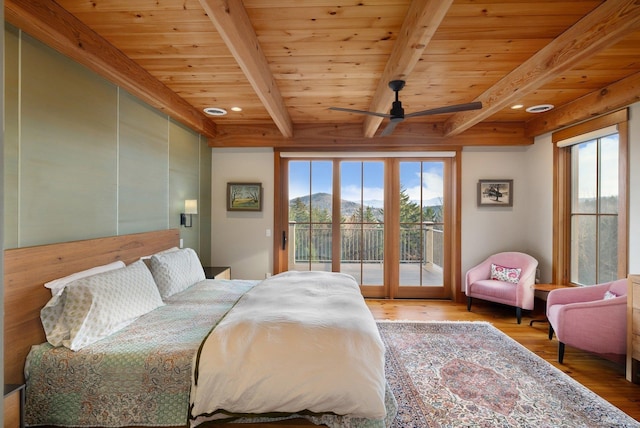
(284, 240)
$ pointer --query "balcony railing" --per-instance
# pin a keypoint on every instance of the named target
(364, 243)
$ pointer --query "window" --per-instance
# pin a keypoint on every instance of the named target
(594, 210)
(590, 237)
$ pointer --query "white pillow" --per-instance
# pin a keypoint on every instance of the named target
(94, 307)
(176, 271)
(57, 285)
(147, 259)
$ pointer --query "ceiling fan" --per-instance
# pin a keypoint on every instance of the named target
(397, 112)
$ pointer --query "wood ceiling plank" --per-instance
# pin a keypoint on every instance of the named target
(76, 7)
(333, 35)
(510, 8)
(144, 19)
(462, 47)
(421, 22)
(50, 23)
(348, 48)
(601, 28)
(279, 4)
(347, 16)
(232, 22)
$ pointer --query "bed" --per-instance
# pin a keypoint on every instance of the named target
(67, 387)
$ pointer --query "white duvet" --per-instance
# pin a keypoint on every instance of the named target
(298, 341)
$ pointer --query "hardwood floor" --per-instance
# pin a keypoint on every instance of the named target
(603, 377)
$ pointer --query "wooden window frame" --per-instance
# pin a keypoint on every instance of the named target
(561, 259)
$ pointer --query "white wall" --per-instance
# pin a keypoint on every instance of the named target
(238, 238)
(526, 226)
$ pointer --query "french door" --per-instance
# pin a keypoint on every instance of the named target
(382, 220)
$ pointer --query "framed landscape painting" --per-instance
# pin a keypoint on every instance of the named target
(495, 193)
(244, 196)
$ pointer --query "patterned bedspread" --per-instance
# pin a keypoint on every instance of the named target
(138, 376)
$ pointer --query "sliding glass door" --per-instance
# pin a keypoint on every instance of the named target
(380, 220)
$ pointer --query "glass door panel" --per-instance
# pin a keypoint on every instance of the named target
(421, 241)
(310, 219)
(362, 221)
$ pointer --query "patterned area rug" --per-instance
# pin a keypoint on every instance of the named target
(470, 374)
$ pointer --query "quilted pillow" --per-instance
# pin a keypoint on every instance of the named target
(92, 308)
(176, 271)
(506, 274)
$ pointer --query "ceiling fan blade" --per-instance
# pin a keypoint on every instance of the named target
(390, 127)
(370, 113)
(448, 109)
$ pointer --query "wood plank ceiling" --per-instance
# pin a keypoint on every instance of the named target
(286, 62)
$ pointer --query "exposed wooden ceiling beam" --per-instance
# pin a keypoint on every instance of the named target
(604, 26)
(413, 136)
(615, 96)
(54, 26)
(421, 22)
(232, 22)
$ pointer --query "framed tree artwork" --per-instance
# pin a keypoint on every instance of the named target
(495, 193)
(244, 196)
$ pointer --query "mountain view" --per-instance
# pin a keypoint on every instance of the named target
(322, 202)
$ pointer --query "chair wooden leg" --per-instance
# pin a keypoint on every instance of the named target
(560, 352)
(519, 314)
(550, 332)
(469, 304)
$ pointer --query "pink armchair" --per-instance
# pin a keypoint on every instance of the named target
(581, 317)
(521, 294)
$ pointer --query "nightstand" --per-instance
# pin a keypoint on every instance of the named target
(217, 272)
(13, 405)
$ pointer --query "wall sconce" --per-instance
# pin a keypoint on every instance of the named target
(190, 208)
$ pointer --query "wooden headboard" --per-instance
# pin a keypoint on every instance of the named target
(27, 269)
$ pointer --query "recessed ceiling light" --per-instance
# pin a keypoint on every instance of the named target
(236, 108)
(517, 106)
(541, 108)
(215, 111)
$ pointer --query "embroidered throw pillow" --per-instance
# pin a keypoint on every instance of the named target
(506, 274)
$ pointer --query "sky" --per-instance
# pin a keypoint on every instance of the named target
(588, 167)
(365, 179)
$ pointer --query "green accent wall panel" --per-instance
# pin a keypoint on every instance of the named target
(83, 158)
(68, 174)
(184, 179)
(143, 169)
(204, 204)
(11, 135)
